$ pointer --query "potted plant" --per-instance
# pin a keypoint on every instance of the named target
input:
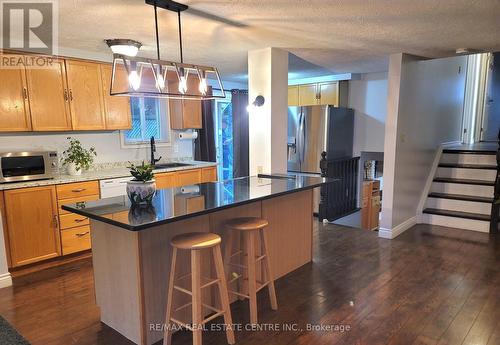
(76, 158)
(142, 188)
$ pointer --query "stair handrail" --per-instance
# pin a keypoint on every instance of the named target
(495, 207)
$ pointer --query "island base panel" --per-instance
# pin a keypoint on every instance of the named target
(131, 269)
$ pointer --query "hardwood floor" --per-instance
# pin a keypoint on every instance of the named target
(431, 285)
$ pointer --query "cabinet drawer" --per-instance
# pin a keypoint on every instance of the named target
(187, 177)
(75, 200)
(72, 220)
(73, 190)
(165, 180)
(209, 174)
(75, 240)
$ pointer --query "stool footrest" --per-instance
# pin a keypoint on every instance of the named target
(211, 317)
(209, 282)
(239, 294)
(182, 324)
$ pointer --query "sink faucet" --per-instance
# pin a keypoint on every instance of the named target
(153, 150)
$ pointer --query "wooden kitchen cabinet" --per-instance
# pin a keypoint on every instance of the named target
(209, 174)
(85, 95)
(32, 224)
(293, 95)
(14, 106)
(185, 114)
(117, 108)
(188, 177)
(308, 94)
(165, 180)
(75, 239)
(329, 93)
(49, 98)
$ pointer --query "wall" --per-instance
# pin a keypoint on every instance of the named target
(107, 145)
(424, 109)
(268, 76)
(368, 98)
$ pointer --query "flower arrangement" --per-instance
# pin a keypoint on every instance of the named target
(77, 158)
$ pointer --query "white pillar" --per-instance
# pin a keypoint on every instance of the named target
(268, 77)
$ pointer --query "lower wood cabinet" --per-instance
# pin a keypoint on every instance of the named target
(165, 180)
(209, 174)
(75, 239)
(32, 225)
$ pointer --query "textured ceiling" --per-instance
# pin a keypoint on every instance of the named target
(332, 35)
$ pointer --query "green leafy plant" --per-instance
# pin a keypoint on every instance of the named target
(143, 172)
(77, 154)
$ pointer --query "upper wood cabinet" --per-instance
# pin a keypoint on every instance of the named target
(49, 98)
(117, 109)
(14, 106)
(308, 94)
(293, 95)
(185, 114)
(327, 93)
(32, 224)
(85, 95)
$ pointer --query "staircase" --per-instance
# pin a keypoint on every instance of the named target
(462, 191)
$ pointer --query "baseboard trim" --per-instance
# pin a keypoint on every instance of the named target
(5, 280)
(397, 230)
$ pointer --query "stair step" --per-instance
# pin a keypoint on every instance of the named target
(457, 214)
(464, 181)
(468, 166)
(461, 197)
(470, 151)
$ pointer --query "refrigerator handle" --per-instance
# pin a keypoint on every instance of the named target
(301, 135)
(297, 137)
(304, 138)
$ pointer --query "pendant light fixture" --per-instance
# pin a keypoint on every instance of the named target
(136, 76)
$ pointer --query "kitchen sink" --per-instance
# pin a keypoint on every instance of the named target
(171, 165)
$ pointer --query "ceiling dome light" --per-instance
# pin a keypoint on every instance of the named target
(124, 46)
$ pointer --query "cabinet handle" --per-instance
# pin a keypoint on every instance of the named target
(80, 220)
(78, 190)
(25, 93)
(56, 221)
(82, 234)
(65, 95)
(70, 95)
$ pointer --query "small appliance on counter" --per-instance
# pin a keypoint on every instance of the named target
(28, 166)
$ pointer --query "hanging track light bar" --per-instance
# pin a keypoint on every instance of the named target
(164, 79)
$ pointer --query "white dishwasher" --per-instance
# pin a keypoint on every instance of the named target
(114, 186)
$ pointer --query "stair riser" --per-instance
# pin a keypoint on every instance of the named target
(454, 222)
(473, 174)
(458, 205)
(468, 159)
(465, 189)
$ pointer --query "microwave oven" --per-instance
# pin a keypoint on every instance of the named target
(26, 166)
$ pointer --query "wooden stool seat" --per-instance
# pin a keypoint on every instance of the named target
(247, 223)
(252, 229)
(195, 240)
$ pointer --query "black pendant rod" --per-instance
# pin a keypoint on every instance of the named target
(157, 36)
(180, 34)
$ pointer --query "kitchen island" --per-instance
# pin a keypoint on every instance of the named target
(131, 250)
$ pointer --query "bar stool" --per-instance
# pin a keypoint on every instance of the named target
(250, 228)
(196, 242)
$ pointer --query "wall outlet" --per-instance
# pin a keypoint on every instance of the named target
(260, 169)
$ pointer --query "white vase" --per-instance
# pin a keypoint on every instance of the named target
(72, 169)
(140, 192)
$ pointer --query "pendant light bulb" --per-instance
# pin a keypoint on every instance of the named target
(160, 78)
(182, 80)
(134, 79)
(203, 86)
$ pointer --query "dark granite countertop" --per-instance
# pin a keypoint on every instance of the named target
(173, 204)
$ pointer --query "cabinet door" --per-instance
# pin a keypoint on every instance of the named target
(165, 180)
(308, 94)
(329, 93)
(14, 107)
(184, 114)
(32, 224)
(293, 95)
(49, 98)
(85, 93)
(117, 108)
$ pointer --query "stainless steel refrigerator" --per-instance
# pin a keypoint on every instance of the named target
(318, 128)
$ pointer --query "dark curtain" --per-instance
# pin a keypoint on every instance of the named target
(239, 102)
(204, 146)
